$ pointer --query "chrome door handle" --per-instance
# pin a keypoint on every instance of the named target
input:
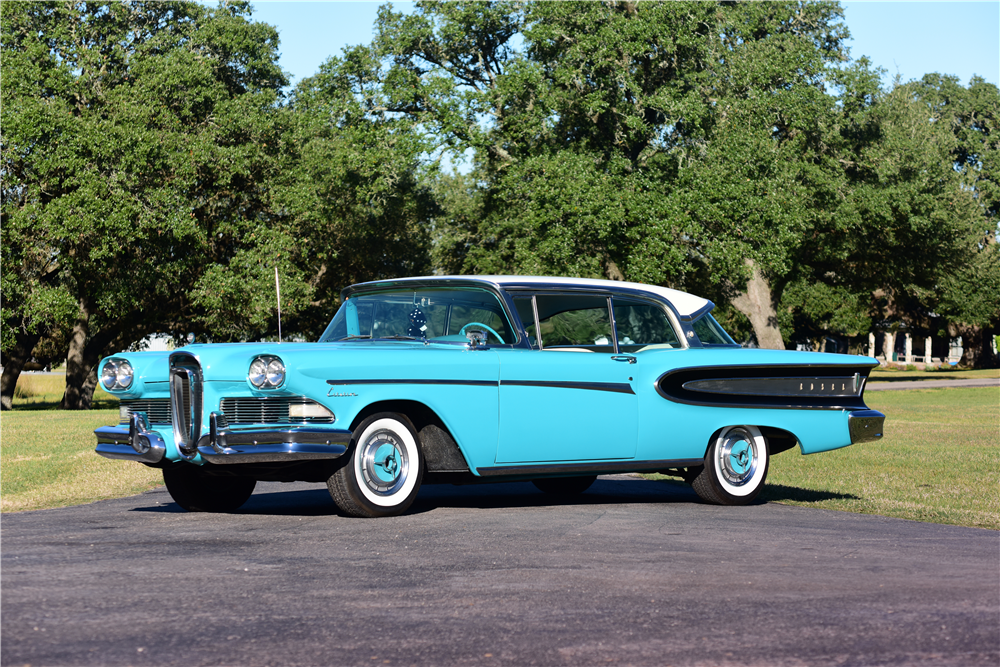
(624, 357)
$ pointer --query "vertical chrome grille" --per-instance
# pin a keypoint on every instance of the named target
(186, 401)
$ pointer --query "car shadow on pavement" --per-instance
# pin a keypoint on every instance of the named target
(616, 491)
(297, 502)
(779, 492)
(316, 501)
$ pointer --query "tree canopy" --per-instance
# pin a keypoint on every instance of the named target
(155, 173)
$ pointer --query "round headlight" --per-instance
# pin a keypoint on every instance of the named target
(275, 372)
(124, 374)
(258, 373)
(109, 375)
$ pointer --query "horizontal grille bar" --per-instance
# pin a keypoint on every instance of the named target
(271, 410)
(156, 409)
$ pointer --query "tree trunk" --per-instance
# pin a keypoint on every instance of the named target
(612, 271)
(757, 303)
(78, 367)
(977, 348)
(13, 362)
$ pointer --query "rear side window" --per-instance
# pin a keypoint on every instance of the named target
(642, 325)
(581, 322)
(711, 332)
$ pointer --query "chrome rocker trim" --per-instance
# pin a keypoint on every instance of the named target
(599, 468)
(134, 443)
(224, 445)
(865, 425)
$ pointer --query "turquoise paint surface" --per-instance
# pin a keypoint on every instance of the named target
(507, 425)
(546, 424)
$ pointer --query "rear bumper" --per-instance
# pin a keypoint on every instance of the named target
(224, 445)
(865, 425)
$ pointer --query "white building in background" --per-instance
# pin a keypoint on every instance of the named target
(157, 343)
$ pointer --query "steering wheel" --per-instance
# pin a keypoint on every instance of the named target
(480, 324)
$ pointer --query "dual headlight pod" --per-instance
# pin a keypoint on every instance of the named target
(117, 374)
(266, 372)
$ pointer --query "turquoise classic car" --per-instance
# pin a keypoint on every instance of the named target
(473, 379)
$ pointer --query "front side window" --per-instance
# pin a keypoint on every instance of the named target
(440, 315)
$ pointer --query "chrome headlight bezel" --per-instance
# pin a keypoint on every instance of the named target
(117, 374)
(266, 371)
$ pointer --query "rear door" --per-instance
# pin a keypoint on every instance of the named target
(570, 397)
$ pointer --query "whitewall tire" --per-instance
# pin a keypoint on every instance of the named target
(736, 467)
(384, 469)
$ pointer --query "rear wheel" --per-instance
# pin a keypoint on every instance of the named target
(735, 467)
(196, 491)
(384, 471)
(564, 486)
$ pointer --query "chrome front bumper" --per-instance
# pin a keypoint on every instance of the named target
(865, 425)
(135, 442)
(225, 445)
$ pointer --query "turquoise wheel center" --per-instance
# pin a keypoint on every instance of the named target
(740, 457)
(386, 462)
(737, 458)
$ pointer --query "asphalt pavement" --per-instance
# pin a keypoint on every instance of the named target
(634, 572)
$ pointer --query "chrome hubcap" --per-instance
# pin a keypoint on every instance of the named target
(738, 457)
(384, 463)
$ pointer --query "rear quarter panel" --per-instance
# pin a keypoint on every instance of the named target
(669, 429)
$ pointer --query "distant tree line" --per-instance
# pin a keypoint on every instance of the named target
(154, 171)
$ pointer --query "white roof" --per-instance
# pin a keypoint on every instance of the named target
(685, 304)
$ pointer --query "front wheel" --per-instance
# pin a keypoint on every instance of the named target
(196, 491)
(735, 467)
(383, 473)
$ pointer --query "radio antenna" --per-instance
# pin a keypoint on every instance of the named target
(277, 290)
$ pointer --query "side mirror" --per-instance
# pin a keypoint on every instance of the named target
(476, 338)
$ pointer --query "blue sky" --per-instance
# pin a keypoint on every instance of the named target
(905, 38)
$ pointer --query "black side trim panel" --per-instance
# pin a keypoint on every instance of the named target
(616, 387)
(467, 383)
(810, 387)
(608, 468)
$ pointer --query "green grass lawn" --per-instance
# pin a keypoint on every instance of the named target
(937, 461)
(47, 460)
(895, 375)
(44, 392)
(47, 455)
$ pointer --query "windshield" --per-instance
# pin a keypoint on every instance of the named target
(711, 332)
(440, 315)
